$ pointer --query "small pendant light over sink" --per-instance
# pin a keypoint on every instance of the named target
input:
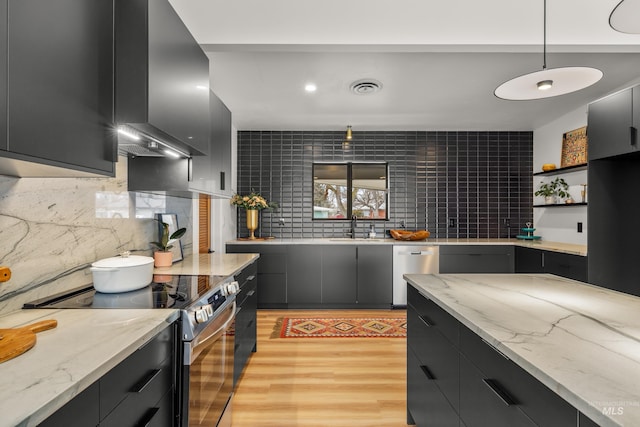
(547, 83)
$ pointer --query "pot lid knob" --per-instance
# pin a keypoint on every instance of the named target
(125, 254)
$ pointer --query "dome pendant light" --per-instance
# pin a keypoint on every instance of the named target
(548, 82)
(624, 17)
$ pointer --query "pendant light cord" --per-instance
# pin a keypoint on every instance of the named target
(544, 32)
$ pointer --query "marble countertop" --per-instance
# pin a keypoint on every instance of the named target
(210, 264)
(569, 248)
(580, 340)
(84, 346)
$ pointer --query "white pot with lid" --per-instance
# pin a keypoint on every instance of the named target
(123, 273)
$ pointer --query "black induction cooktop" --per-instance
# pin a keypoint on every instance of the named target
(177, 292)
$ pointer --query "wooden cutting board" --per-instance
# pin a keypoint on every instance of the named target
(15, 341)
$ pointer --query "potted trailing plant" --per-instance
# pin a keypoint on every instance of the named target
(163, 257)
(551, 190)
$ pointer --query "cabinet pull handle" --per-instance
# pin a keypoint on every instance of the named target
(425, 321)
(491, 346)
(145, 382)
(633, 135)
(251, 292)
(427, 372)
(150, 416)
(495, 387)
(250, 278)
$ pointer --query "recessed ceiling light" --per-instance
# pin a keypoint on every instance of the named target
(310, 87)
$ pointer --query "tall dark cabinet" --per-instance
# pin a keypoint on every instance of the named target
(57, 95)
(613, 124)
(614, 202)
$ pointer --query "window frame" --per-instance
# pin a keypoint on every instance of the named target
(349, 187)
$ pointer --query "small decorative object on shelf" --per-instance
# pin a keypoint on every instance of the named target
(528, 230)
(574, 147)
(253, 203)
(583, 193)
(548, 167)
(551, 190)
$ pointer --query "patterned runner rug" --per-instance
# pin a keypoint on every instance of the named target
(294, 327)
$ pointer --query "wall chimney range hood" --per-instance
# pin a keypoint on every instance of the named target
(162, 82)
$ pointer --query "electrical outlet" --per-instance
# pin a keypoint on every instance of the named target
(579, 227)
(452, 222)
(507, 222)
(281, 222)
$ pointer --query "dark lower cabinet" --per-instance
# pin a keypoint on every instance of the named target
(476, 259)
(455, 378)
(484, 402)
(375, 275)
(339, 275)
(529, 260)
(304, 275)
(138, 391)
(272, 272)
(82, 411)
(322, 276)
(427, 406)
(246, 319)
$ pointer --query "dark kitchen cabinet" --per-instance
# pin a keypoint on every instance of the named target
(613, 124)
(82, 411)
(614, 209)
(138, 391)
(57, 119)
(375, 275)
(339, 274)
(584, 421)
(476, 259)
(529, 260)
(454, 377)
(304, 275)
(162, 76)
(272, 272)
(246, 318)
(220, 146)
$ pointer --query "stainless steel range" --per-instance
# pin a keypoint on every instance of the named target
(207, 313)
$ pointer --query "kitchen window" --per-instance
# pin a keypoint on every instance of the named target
(342, 190)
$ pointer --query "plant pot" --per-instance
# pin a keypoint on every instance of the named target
(163, 259)
(122, 274)
(550, 200)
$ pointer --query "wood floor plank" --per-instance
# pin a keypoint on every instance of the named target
(320, 382)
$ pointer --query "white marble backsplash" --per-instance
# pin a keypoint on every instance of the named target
(52, 229)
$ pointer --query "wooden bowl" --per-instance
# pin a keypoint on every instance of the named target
(409, 235)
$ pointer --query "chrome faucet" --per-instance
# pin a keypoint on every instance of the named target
(354, 221)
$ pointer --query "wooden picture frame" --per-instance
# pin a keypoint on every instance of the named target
(574, 148)
(172, 220)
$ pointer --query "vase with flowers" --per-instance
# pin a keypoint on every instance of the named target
(253, 203)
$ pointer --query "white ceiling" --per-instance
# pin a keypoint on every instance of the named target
(439, 62)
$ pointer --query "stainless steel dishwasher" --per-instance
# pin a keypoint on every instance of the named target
(412, 259)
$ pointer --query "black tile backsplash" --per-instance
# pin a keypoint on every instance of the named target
(476, 179)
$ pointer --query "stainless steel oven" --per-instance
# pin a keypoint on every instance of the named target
(207, 307)
(208, 372)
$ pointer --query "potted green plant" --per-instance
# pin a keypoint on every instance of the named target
(551, 190)
(163, 257)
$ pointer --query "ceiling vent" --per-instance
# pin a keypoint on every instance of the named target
(365, 86)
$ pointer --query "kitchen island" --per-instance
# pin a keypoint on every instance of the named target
(579, 340)
(85, 345)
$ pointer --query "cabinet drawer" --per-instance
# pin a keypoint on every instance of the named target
(431, 313)
(247, 290)
(426, 404)
(483, 401)
(82, 411)
(133, 412)
(144, 376)
(249, 272)
(535, 399)
(438, 356)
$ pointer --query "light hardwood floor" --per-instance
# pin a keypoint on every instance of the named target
(320, 382)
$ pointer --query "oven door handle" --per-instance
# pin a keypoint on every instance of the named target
(190, 348)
